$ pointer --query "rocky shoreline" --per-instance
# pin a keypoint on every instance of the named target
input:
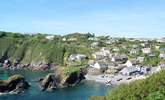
(15, 84)
(35, 66)
(58, 79)
(54, 81)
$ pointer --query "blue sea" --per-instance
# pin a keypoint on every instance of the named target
(80, 92)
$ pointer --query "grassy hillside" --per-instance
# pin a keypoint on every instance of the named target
(35, 48)
(153, 88)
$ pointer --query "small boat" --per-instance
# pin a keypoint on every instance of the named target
(108, 82)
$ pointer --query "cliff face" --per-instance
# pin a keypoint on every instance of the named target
(32, 54)
(60, 79)
(26, 51)
(32, 51)
(16, 84)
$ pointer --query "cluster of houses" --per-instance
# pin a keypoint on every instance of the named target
(120, 64)
(112, 60)
(115, 63)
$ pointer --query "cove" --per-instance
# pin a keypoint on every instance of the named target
(79, 92)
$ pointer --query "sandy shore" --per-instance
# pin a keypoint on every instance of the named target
(114, 79)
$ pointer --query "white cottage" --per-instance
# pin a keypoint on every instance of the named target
(131, 63)
(101, 54)
(140, 59)
(50, 37)
(77, 57)
(162, 55)
(134, 51)
(98, 65)
(146, 50)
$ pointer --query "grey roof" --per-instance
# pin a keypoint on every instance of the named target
(130, 69)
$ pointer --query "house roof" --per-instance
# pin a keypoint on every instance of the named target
(162, 49)
(133, 61)
(119, 57)
(162, 62)
(129, 69)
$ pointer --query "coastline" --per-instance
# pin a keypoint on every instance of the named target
(114, 80)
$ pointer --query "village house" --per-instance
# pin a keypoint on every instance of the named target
(119, 59)
(124, 46)
(64, 39)
(162, 55)
(146, 45)
(140, 59)
(116, 49)
(131, 63)
(135, 46)
(72, 39)
(151, 55)
(146, 50)
(135, 70)
(134, 51)
(132, 70)
(95, 44)
(93, 39)
(155, 69)
(98, 65)
(157, 47)
(162, 49)
(103, 53)
(145, 70)
(77, 57)
(161, 40)
(110, 41)
(162, 64)
(50, 37)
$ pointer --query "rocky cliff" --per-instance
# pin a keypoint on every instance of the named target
(60, 79)
(15, 83)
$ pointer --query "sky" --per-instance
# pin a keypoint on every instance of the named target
(117, 18)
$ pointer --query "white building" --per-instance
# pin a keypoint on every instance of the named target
(131, 63)
(64, 39)
(162, 65)
(51, 37)
(140, 59)
(146, 50)
(116, 49)
(134, 51)
(102, 54)
(157, 47)
(95, 44)
(77, 57)
(162, 55)
(93, 39)
(98, 65)
(72, 39)
(130, 70)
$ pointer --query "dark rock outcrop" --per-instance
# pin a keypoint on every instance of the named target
(35, 66)
(15, 83)
(60, 80)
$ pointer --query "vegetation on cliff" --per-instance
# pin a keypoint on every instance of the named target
(36, 48)
(62, 77)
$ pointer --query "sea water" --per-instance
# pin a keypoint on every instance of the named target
(79, 92)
